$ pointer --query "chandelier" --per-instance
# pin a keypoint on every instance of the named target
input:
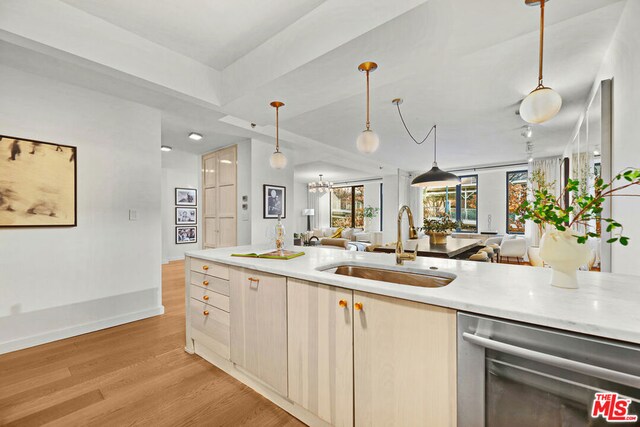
(320, 186)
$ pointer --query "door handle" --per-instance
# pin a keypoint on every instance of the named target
(558, 362)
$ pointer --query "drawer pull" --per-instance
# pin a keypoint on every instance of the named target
(252, 279)
(205, 283)
(358, 306)
(205, 267)
(206, 297)
(206, 312)
(342, 303)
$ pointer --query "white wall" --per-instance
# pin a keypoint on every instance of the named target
(179, 169)
(622, 63)
(59, 282)
(244, 189)
(300, 193)
(262, 173)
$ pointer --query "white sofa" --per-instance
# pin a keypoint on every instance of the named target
(351, 234)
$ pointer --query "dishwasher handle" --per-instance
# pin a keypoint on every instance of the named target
(559, 362)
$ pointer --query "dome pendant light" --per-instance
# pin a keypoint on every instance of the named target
(277, 160)
(435, 177)
(543, 103)
(368, 142)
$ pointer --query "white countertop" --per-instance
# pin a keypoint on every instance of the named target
(606, 305)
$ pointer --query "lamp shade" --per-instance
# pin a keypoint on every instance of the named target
(436, 177)
(308, 212)
(278, 160)
(368, 141)
(540, 105)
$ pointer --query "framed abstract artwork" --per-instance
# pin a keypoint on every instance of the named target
(37, 183)
(275, 201)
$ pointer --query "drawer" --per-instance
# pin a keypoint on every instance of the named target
(209, 297)
(211, 268)
(209, 282)
(214, 325)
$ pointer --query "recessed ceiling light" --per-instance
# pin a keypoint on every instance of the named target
(596, 153)
(195, 136)
(165, 148)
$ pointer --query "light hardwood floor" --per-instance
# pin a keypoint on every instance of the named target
(134, 374)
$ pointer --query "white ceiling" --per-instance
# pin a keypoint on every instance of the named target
(214, 32)
(462, 64)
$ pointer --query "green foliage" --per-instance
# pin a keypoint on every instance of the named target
(371, 212)
(440, 224)
(584, 208)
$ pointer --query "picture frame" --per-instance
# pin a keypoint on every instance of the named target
(186, 235)
(186, 197)
(274, 201)
(38, 183)
(186, 216)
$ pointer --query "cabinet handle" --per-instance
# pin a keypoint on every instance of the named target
(342, 303)
(206, 312)
(206, 297)
(251, 279)
(206, 283)
(358, 306)
(205, 267)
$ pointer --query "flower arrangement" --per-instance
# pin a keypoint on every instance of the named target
(441, 224)
(545, 209)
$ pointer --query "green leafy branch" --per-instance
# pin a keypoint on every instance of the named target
(584, 208)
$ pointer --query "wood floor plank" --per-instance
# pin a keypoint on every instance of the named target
(133, 374)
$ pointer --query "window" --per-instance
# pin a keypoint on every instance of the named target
(347, 206)
(460, 203)
(516, 194)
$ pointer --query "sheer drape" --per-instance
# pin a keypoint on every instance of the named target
(550, 167)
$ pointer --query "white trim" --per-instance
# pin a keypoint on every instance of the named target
(75, 330)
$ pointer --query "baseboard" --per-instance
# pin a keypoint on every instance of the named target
(29, 329)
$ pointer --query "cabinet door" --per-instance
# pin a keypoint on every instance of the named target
(404, 363)
(321, 350)
(258, 313)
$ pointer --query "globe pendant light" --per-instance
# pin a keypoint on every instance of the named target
(277, 160)
(543, 103)
(368, 142)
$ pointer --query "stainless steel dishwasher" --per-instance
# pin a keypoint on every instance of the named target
(513, 374)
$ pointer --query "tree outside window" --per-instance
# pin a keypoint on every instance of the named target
(347, 206)
(516, 194)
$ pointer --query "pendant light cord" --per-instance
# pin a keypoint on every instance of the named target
(368, 123)
(277, 132)
(433, 129)
(541, 43)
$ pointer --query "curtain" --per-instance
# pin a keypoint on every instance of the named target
(550, 170)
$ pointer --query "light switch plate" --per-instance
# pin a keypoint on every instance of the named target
(133, 215)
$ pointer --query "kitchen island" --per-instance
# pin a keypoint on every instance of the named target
(339, 350)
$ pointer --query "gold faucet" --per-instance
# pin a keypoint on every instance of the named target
(401, 256)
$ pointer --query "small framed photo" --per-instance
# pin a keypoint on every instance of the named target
(186, 197)
(186, 216)
(186, 235)
(275, 201)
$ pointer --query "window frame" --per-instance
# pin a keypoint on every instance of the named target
(353, 204)
(526, 172)
(458, 198)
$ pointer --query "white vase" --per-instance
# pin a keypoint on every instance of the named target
(561, 250)
(534, 256)
(367, 224)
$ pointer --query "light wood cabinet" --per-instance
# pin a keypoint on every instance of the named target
(404, 363)
(219, 194)
(258, 308)
(320, 324)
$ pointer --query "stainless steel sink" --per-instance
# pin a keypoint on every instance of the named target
(426, 279)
